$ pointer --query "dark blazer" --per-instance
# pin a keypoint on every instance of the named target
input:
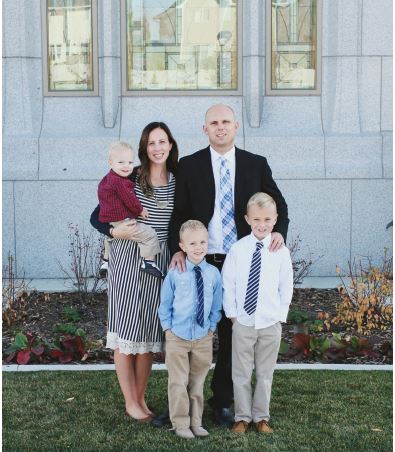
(195, 192)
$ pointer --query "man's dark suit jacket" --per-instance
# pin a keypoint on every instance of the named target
(195, 192)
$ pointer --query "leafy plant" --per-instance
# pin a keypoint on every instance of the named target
(69, 348)
(70, 329)
(71, 315)
(25, 348)
(367, 301)
(301, 266)
(84, 252)
(330, 348)
(296, 315)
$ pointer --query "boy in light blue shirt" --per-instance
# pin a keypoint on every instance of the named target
(190, 309)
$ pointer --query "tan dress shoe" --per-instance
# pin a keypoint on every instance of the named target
(240, 427)
(263, 427)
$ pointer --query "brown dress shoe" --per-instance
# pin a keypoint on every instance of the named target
(240, 427)
(263, 427)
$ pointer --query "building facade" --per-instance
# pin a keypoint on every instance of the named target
(310, 82)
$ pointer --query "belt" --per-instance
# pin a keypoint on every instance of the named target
(216, 257)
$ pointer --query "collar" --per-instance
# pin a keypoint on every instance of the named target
(190, 265)
(228, 155)
(266, 241)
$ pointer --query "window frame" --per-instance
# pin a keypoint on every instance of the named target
(268, 58)
(153, 93)
(95, 60)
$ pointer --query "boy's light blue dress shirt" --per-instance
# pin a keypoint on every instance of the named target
(179, 300)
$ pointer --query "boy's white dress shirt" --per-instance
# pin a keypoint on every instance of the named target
(275, 283)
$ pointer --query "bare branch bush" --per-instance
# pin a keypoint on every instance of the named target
(85, 259)
(301, 266)
(14, 291)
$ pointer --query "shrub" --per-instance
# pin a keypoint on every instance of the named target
(366, 303)
(84, 251)
(14, 294)
(301, 267)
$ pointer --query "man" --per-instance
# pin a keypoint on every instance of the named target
(214, 186)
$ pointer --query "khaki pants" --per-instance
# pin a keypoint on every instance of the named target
(146, 239)
(188, 363)
(249, 347)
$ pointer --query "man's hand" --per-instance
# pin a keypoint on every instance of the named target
(277, 241)
(125, 230)
(178, 260)
(144, 213)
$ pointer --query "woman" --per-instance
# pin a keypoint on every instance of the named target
(134, 330)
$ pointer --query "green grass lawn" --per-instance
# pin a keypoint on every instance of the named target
(311, 410)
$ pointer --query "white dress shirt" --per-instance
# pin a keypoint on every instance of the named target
(275, 283)
(215, 237)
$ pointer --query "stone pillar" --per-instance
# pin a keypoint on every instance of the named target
(253, 59)
(109, 60)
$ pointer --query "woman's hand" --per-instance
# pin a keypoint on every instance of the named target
(178, 260)
(125, 230)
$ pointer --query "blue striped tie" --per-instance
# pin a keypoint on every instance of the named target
(200, 292)
(226, 201)
(253, 281)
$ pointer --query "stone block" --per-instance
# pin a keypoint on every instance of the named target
(254, 85)
(22, 97)
(386, 95)
(20, 158)
(388, 154)
(340, 96)
(371, 211)
(356, 157)
(291, 157)
(109, 17)
(21, 25)
(43, 211)
(369, 94)
(183, 115)
(253, 28)
(75, 117)
(8, 243)
(319, 212)
(377, 27)
(289, 116)
(74, 158)
(341, 27)
(110, 89)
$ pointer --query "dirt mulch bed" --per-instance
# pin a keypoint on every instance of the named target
(39, 312)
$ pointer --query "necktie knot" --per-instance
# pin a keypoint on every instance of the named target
(197, 269)
(259, 246)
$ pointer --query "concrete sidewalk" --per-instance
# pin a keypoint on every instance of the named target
(93, 367)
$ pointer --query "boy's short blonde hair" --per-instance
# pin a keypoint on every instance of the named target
(118, 146)
(261, 200)
(192, 225)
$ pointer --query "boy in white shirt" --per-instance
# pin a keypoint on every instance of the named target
(258, 286)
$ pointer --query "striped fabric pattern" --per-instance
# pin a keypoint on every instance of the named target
(134, 296)
(253, 281)
(226, 202)
(200, 293)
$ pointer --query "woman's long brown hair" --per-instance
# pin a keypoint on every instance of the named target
(171, 162)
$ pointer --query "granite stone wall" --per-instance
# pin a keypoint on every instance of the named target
(330, 154)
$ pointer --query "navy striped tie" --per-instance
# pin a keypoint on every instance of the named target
(200, 293)
(253, 281)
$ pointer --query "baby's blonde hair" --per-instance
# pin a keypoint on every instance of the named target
(192, 225)
(118, 146)
(261, 200)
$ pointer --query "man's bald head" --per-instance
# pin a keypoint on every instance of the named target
(219, 107)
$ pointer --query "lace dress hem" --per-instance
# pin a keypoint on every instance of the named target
(132, 348)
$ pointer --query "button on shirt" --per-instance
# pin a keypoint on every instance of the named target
(275, 283)
(215, 238)
(179, 301)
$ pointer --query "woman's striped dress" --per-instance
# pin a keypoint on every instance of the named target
(134, 296)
